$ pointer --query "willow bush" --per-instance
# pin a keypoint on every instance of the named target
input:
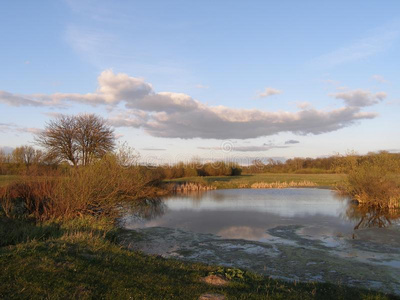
(96, 189)
(372, 180)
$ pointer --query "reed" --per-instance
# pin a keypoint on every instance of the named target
(189, 187)
(282, 185)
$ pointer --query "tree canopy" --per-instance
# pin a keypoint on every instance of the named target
(77, 139)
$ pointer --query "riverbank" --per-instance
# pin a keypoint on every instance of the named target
(83, 259)
(273, 179)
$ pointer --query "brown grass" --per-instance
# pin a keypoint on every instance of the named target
(282, 185)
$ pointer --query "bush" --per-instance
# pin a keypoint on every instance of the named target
(372, 180)
(96, 189)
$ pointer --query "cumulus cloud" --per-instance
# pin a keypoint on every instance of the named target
(290, 142)
(113, 89)
(176, 115)
(360, 98)
(269, 92)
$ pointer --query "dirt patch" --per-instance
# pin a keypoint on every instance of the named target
(215, 280)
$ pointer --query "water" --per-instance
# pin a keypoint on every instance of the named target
(295, 234)
(248, 213)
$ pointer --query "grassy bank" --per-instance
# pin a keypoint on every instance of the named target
(232, 182)
(81, 259)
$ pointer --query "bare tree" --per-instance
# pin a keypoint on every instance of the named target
(94, 137)
(77, 139)
(24, 155)
(58, 139)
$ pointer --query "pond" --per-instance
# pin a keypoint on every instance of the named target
(294, 234)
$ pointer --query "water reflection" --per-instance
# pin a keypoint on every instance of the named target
(243, 214)
(368, 217)
(145, 210)
(249, 214)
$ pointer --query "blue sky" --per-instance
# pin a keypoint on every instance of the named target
(213, 79)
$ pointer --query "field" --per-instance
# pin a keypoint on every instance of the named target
(232, 182)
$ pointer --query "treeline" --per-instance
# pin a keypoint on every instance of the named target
(26, 160)
(218, 168)
(331, 164)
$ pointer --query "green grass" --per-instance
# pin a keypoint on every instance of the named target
(5, 179)
(81, 259)
(231, 182)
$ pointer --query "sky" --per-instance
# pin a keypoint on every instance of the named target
(233, 80)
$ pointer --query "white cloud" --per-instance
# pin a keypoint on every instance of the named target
(269, 92)
(177, 115)
(11, 127)
(360, 98)
(32, 130)
(17, 100)
(201, 86)
(379, 78)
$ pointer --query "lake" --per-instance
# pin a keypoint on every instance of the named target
(294, 234)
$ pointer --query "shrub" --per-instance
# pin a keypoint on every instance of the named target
(96, 189)
(372, 180)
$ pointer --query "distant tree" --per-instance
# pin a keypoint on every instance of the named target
(2, 156)
(3, 161)
(24, 155)
(77, 139)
